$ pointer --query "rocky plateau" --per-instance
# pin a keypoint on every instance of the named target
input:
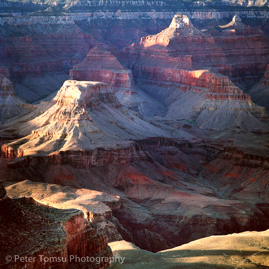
(47, 237)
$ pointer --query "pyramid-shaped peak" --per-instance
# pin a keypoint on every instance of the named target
(180, 21)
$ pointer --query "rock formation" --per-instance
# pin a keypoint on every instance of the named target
(41, 54)
(10, 105)
(101, 65)
(191, 48)
(164, 199)
(47, 237)
(96, 206)
(214, 102)
(237, 27)
(163, 65)
(81, 114)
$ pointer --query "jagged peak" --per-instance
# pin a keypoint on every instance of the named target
(236, 19)
(236, 26)
(180, 21)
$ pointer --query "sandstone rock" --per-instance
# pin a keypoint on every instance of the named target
(190, 48)
(43, 236)
(38, 49)
(240, 249)
(96, 206)
(237, 27)
(80, 114)
(101, 65)
(208, 98)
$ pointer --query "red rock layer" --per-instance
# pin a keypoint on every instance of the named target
(79, 159)
(101, 65)
(218, 87)
(235, 56)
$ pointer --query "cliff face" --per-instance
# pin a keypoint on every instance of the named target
(181, 38)
(47, 237)
(159, 66)
(96, 206)
(166, 200)
(35, 50)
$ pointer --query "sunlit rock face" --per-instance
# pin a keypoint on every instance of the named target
(214, 102)
(97, 206)
(166, 67)
(202, 253)
(84, 116)
(244, 54)
(44, 233)
(237, 27)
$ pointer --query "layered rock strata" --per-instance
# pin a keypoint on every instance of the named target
(165, 202)
(81, 114)
(208, 98)
(96, 206)
(191, 48)
(33, 50)
(47, 237)
(101, 65)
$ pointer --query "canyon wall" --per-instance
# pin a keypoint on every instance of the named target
(123, 15)
(47, 237)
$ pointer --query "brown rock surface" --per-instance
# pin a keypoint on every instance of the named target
(2, 190)
(165, 201)
(101, 65)
(47, 237)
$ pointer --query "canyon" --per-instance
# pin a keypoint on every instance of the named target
(149, 131)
